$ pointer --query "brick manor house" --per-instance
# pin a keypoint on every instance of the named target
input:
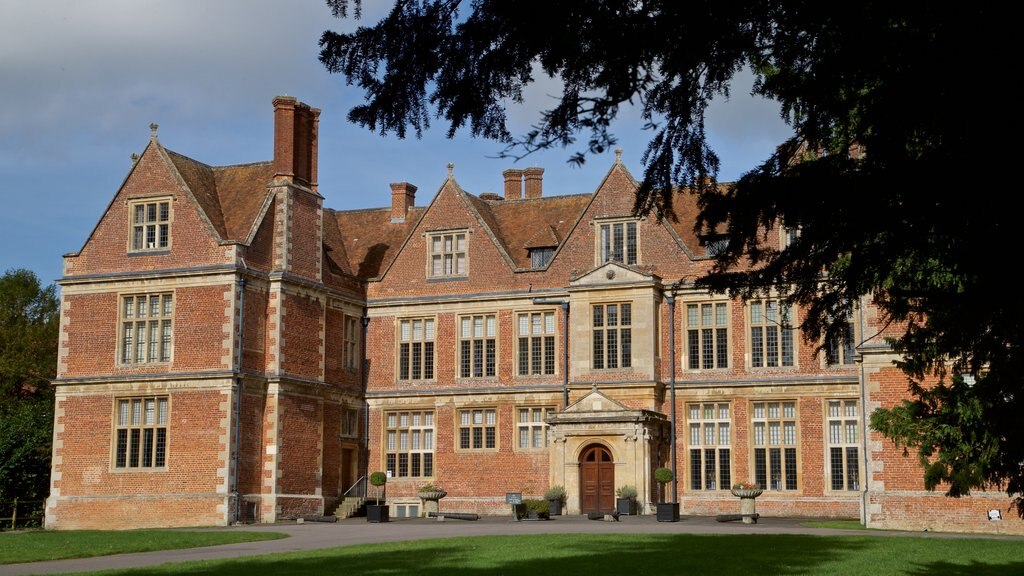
(233, 351)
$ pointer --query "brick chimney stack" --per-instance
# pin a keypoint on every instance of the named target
(534, 181)
(296, 126)
(513, 184)
(403, 197)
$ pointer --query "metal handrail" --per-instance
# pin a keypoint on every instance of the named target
(359, 487)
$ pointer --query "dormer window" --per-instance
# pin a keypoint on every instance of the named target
(539, 257)
(789, 236)
(715, 245)
(151, 225)
(617, 242)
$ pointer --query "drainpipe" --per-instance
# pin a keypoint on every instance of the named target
(671, 299)
(365, 460)
(864, 428)
(238, 396)
(565, 343)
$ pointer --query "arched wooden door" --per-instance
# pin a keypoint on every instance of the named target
(597, 480)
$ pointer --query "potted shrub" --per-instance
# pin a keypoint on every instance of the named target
(377, 512)
(667, 511)
(556, 497)
(625, 500)
(535, 509)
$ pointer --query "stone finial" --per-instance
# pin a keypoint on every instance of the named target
(618, 155)
(152, 130)
(451, 169)
(135, 157)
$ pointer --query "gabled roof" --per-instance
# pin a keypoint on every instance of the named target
(368, 238)
(230, 196)
(683, 217)
(532, 223)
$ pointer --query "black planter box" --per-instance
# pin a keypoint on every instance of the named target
(376, 513)
(555, 507)
(625, 506)
(668, 512)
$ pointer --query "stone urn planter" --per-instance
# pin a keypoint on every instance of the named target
(431, 496)
(747, 492)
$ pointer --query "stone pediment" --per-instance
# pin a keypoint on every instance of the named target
(613, 273)
(595, 401)
(596, 408)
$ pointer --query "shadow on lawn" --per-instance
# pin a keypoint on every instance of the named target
(972, 569)
(587, 555)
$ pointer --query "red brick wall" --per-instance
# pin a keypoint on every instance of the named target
(254, 343)
(193, 241)
(91, 322)
(306, 239)
(303, 345)
(334, 345)
(476, 480)
(250, 464)
(199, 334)
(195, 452)
(299, 445)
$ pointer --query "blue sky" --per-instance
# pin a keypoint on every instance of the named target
(80, 83)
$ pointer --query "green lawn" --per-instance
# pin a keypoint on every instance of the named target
(35, 546)
(637, 554)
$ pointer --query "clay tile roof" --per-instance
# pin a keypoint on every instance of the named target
(371, 240)
(546, 237)
(199, 179)
(533, 222)
(242, 190)
(230, 196)
(684, 206)
(334, 244)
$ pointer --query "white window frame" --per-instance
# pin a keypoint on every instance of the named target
(409, 433)
(775, 440)
(477, 430)
(842, 438)
(618, 241)
(771, 327)
(532, 427)
(448, 254)
(706, 334)
(478, 346)
(415, 354)
(709, 445)
(603, 345)
(149, 224)
(536, 343)
(145, 332)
